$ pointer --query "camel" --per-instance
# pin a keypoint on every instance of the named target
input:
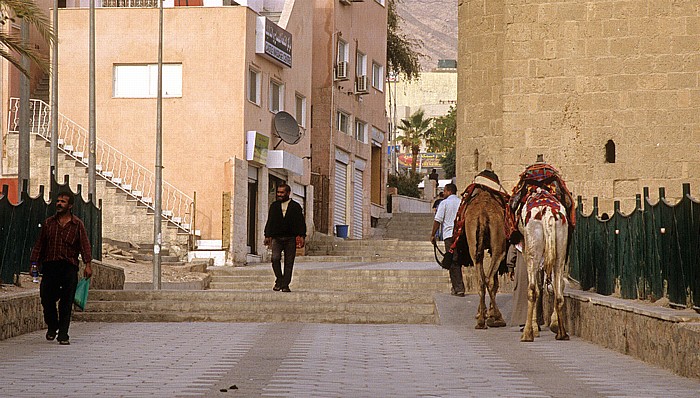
(544, 225)
(484, 227)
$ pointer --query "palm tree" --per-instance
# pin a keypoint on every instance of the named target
(11, 46)
(415, 130)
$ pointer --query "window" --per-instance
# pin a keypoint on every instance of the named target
(300, 115)
(276, 96)
(343, 51)
(610, 151)
(254, 86)
(141, 81)
(380, 1)
(361, 66)
(377, 76)
(360, 131)
(343, 122)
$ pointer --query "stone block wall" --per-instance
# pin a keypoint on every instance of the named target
(660, 336)
(565, 78)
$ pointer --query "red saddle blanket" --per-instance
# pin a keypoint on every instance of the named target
(545, 178)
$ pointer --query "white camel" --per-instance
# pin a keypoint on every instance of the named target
(544, 225)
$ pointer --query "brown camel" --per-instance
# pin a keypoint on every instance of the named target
(484, 220)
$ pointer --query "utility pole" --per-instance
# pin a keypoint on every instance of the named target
(157, 237)
(54, 96)
(23, 164)
(92, 139)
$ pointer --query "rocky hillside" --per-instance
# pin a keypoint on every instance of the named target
(435, 23)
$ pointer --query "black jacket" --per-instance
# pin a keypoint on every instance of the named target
(293, 224)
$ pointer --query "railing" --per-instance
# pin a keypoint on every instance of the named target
(651, 253)
(130, 3)
(113, 165)
(20, 226)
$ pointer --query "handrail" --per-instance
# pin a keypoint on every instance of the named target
(113, 165)
(130, 3)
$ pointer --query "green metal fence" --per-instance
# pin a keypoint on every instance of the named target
(20, 225)
(652, 252)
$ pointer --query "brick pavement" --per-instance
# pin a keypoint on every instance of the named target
(325, 360)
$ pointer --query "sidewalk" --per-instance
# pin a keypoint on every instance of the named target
(326, 360)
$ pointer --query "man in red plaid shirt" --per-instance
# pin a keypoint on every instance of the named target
(62, 238)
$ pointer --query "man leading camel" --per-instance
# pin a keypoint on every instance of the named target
(445, 217)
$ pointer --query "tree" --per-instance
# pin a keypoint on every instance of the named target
(11, 46)
(415, 130)
(443, 138)
(401, 54)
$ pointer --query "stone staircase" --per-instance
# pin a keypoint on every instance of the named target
(337, 280)
(368, 250)
(245, 295)
(123, 217)
(410, 226)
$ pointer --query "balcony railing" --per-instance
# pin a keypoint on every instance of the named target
(114, 166)
(130, 3)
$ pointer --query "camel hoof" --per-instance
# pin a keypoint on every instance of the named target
(495, 323)
(480, 325)
(562, 338)
(554, 327)
(526, 339)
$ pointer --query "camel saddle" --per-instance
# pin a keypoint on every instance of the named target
(540, 185)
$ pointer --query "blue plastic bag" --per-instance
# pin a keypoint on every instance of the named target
(81, 293)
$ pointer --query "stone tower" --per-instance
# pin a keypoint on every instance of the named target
(608, 92)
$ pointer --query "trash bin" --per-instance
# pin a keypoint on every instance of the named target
(341, 231)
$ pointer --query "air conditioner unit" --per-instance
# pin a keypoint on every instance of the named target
(341, 71)
(361, 84)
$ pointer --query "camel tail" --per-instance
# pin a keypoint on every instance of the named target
(479, 249)
(550, 238)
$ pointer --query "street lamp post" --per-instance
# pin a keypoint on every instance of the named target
(92, 139)
(157, 236)
(54, 96)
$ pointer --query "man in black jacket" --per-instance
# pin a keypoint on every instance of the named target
(285, 230)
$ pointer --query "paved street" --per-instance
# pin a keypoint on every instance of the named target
(326, 360)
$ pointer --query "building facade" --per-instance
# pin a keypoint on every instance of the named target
(349, 123)
(434, 92)
(608, 92)
(229, 74)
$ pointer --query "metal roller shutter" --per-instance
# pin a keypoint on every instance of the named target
(357, 204)
(341, 194)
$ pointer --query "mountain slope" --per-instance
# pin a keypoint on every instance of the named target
(434, 22)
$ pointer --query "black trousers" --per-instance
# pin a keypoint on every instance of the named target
(288, 245)
(455, 270)
(58, 284)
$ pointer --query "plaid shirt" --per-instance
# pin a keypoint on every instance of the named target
(58, 242)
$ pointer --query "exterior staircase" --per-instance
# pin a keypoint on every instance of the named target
(239, 294)
(404, 237)
(124, 187)
(410, 226)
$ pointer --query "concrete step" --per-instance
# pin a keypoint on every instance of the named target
(381, 281)
(255, 316)
(258, 306)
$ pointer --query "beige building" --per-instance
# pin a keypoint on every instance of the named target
(434, 92)
(608, 92)
(349, 123)
(228, 73)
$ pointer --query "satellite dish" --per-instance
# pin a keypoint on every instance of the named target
(286, 127)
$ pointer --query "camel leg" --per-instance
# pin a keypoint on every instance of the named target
(530, 331)
(481, 312)
(558, 284)
(495, 317)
